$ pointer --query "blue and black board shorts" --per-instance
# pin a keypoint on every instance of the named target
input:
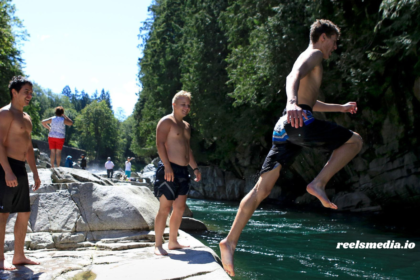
(16, 199)
(289, 141)
(171, 190)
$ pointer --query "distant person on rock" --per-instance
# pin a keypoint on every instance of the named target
(15, 148)
(109, 166)
(57, 127)
(172, 177)
(298, 128)
(69, 162)
(128, 167)
(83, 162)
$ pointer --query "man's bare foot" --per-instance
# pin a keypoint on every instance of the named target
(319, 192)
(176, 246)
(226, 251)
(24, 261)
(160, 251)
(4, 265)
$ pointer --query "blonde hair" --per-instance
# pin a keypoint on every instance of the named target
(180, 94)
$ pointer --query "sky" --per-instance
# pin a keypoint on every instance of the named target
(89, 45)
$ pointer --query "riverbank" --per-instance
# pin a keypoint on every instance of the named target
(195, 263)
(86, 226)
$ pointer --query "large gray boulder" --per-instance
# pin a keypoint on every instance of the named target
(114, 207)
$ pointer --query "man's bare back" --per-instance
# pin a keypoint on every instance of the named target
(178, 140)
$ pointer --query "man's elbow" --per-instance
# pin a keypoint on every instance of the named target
(293, 76)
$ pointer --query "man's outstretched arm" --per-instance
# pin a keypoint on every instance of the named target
(302, 67)
(349, 107)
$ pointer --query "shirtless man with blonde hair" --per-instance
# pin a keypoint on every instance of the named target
(298, 128)
(172, 177)
(15, 148)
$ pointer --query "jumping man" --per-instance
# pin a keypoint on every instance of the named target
(298, 128)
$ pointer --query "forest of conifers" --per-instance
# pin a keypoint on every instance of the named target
(234, 57)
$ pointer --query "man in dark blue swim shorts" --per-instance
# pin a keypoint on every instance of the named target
(172, 177)
(298, 128)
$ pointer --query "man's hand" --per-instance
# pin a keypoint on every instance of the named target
(197, 174)
(37, 182)
(295, 115)
(11, 180)
(169, 173)
(349, 107)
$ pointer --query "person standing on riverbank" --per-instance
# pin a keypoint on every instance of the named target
(128, 168)
(57, 128)
(298, 128)
(172, 177)
(15, 148)
(109, 166)
(83, 162)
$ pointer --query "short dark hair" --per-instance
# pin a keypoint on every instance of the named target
(323, 26)
(16, 83)
(59, 111)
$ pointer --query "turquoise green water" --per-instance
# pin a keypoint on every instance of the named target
(291, 244)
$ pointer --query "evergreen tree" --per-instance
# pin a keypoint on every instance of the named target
(11, 32)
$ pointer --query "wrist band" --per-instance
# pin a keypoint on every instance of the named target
(196, 169)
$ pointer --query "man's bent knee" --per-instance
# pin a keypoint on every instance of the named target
(358, 140)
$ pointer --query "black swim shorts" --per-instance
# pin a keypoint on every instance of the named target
(171, 190)
(15, 199)
(288, 141)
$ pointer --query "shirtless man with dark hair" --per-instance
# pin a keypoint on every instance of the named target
(15, 148)
(298, 128)
(172, 177)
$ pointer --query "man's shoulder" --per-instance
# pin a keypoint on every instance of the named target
(167, 121)
(6, 114)
(167, 118)
(313, 54)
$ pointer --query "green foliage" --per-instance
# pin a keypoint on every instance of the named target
(11, 32)
(234, 56)
(98, 131)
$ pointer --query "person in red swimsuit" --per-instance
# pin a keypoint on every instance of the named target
(57, 127)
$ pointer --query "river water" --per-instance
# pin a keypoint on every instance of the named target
(282, 243)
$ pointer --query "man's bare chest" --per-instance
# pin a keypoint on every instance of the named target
(20, 125)
(179, 132)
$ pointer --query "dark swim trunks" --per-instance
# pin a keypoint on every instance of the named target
(171, 190)
(15, 199)
(288, 141)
